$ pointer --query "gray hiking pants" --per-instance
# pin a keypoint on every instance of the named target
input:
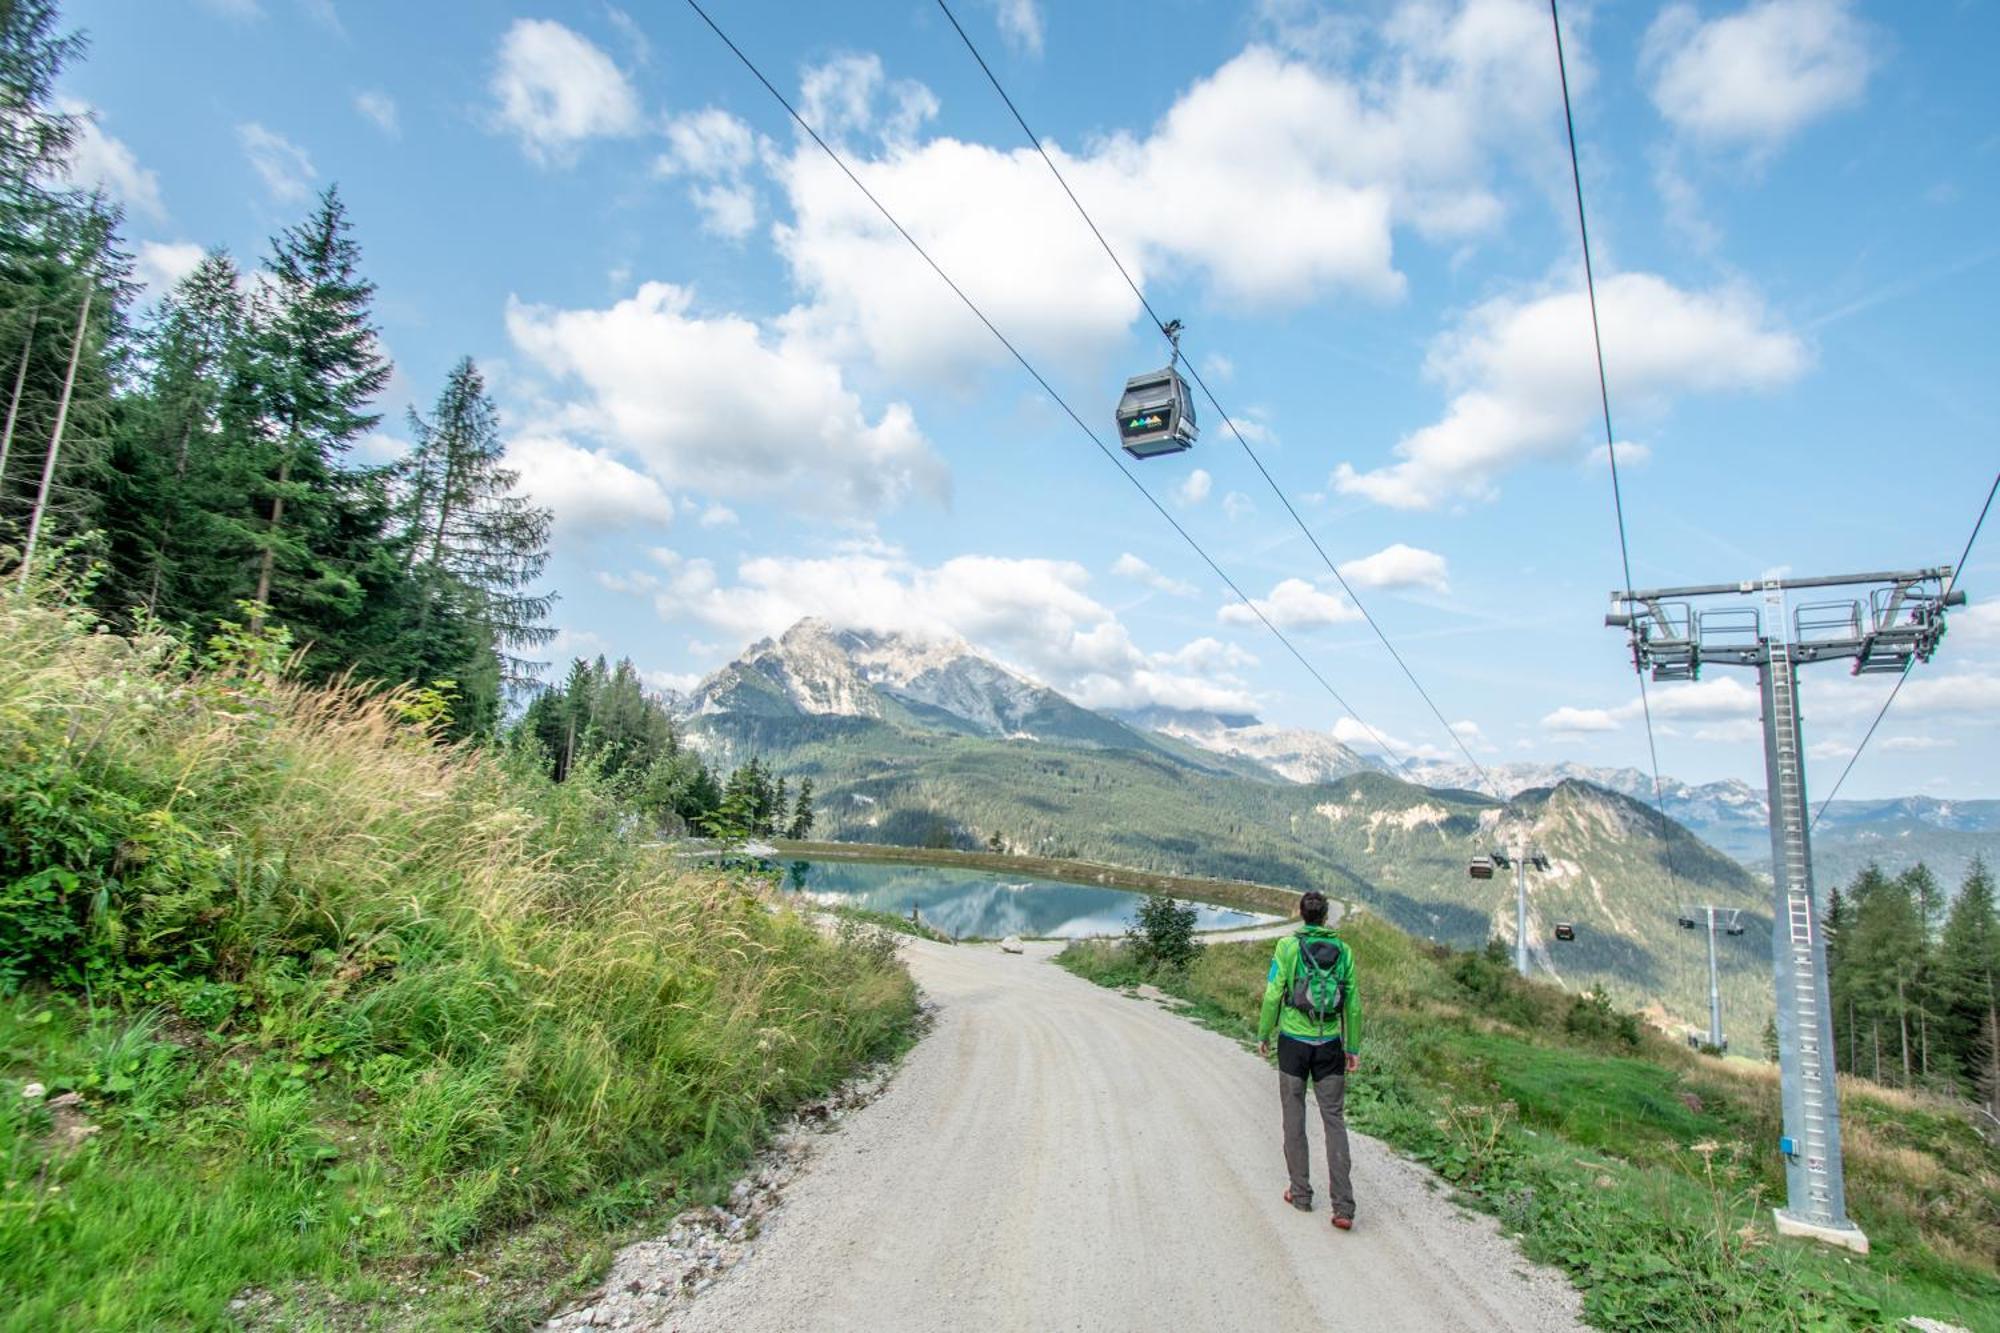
(1330, 1091)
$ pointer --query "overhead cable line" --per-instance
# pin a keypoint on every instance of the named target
(1610, 437)
(1039, 378)
(1202, 384)
(1883, 712)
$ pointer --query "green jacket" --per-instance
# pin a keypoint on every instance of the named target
(1281, 1017)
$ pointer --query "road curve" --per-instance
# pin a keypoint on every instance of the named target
(1055, 1155)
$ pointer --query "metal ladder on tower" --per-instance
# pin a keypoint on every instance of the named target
(1813, 1144)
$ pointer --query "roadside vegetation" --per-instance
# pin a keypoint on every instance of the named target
(303, 1007)
(1645, 1170)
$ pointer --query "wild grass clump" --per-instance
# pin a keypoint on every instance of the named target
(328, 992)
(1643, 1169)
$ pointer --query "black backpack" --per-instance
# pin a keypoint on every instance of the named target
(1316, 991)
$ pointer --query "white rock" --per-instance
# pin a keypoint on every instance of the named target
(1012, 944)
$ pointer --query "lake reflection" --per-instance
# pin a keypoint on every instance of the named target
(990, 905)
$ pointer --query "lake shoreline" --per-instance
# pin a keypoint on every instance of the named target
(1240, 894)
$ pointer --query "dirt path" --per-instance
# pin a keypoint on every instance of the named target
(1055, 1155)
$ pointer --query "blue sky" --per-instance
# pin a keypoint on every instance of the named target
(747, 401)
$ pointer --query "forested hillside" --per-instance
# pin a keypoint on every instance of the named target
(199, 444)
(1618, 874)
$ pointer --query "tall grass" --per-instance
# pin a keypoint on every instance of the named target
(331, 992)
(1645, 1170)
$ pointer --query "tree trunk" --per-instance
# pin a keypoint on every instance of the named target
(14, 403)
(1878, 1050)
(1993, 1058)
(160, 559)
(55, 436)
(1903, 1029)
(1852, 1068)
(270, 557)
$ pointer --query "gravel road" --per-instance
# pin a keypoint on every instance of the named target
(1055, 1155)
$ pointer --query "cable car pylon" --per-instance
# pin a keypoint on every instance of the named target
(1732, 924)
(1673, 633)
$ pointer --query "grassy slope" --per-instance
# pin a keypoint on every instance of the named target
(1642, 1169)
(341, 1007)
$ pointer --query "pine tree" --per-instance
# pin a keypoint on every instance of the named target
(174, 464)
(319, 366)
(802, 813)
(1969, 984)
(471, 543)
(1882, 956)
(35, 137)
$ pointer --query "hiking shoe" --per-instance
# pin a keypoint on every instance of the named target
(1303, 1203)
(1343, 1223)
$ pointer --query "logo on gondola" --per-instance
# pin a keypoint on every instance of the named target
(1145, 423)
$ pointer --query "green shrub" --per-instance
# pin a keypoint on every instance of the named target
(1164, 934)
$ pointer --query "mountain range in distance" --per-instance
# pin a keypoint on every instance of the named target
(819, 672)
(925, 743)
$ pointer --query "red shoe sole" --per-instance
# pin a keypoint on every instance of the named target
(1343, 1224)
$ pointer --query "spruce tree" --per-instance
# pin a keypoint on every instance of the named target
(472, 544)
(1969, 985)
(319, 366)
(802, 813)
(176, 462)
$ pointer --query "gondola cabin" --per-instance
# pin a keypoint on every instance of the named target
(1481, 867)
(1565, 931)
(1156, 414)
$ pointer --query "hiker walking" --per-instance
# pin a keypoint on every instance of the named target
(1311, 1002)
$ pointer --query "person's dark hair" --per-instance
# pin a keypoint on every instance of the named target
(1312, 907)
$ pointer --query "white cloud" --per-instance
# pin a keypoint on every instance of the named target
(1756, 77)
(589, 490)
(1580, 720)
(1398, 566)
(1918, 743)
(380, 109)
(555, 89)
(713, 403)
(161, 265)
(1336, 163)
(1238, 505)
(728, 211)
(281, 164)
(1208, 655)
(717, 516)
(1195, 488)
(378, 446)
(1021, 25)
(1293, 604)
(1036, 615)
(1629, 455)
(679, 682)
(716, 149)
(1132, 567)
(710, 142)
(854, 95)
(1719, 705)
(1978, 622)
(1525, 382)
(99, 162)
